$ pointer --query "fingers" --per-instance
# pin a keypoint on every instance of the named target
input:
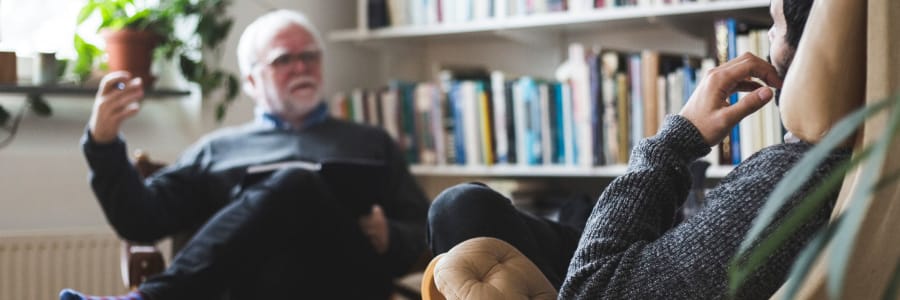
(749, 65)
(748, 104)
(111, 80)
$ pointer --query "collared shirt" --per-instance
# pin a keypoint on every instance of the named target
(316, 116)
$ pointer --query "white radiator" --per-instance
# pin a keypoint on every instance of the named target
(37, 265)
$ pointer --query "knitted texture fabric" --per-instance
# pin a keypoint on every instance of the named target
(630, 249)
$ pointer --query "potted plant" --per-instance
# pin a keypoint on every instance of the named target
(135, 34)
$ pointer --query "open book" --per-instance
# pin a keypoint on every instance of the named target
(355, 184)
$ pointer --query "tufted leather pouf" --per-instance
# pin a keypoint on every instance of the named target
(485, 268)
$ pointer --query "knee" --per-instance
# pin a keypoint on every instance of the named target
(465, 202)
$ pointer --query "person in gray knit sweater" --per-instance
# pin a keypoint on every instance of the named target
(629, 247)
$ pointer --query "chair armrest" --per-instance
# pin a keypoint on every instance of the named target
(140, 261)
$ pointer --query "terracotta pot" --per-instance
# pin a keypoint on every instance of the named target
(132, 51)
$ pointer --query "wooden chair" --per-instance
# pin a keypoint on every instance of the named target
(141, 260)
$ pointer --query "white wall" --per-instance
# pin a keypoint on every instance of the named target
(43, 182)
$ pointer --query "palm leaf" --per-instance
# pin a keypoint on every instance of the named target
(788, 186)
(799, 215)
(846, 232)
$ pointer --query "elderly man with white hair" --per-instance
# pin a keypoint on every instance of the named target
(282, 234)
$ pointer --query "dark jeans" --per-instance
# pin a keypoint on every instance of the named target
(283, 238)
(473, 210)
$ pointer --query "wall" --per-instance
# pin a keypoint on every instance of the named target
(43, 182)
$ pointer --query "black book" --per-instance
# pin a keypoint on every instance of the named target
(355, 184)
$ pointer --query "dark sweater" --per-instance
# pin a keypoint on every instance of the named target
(629, 249)
(188, 192)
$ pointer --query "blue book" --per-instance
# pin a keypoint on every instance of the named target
(455, 100)
(732, 53)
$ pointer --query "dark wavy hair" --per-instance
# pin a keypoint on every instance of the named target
(795, 15)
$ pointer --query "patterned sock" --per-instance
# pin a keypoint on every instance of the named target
(69, 294)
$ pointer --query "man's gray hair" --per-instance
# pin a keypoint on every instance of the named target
(249, 47)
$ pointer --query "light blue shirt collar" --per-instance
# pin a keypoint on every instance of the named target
(316, 116)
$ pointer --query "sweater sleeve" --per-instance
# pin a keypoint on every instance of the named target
(138, 211)
(406, 210)
(628, 252)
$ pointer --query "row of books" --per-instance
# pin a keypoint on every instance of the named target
(599, 106)
(390, 13)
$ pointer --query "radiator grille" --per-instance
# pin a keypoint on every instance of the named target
(38, 265)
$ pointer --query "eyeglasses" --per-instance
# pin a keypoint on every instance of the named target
(308, 58)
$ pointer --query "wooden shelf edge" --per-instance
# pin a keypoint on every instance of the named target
(715, 172)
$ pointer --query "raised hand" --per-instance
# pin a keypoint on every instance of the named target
(709, 110)
(117, 100)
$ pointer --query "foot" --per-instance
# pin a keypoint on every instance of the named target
(68, 294)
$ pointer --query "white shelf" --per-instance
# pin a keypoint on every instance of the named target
(549, 20)
(537, 171)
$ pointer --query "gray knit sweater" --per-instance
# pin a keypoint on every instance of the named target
(629, 249)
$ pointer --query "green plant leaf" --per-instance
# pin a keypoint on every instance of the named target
(188, 68)
(800, 214)
(39, 106)
(86, 12)
(4, 116)
(839, 256)
(890, 293)
(792, 181)
(232, 88)
(84, 64)
(138, 20)
(221, 108)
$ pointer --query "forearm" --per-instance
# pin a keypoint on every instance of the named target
(121, 192)
(637, 207)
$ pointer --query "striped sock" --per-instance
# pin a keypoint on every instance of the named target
(69, 294)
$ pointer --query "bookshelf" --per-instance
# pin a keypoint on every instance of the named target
(521, 46)
(578, 20)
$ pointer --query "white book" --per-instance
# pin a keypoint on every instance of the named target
(500, 10)
(390, 113)
(397, 12)
(462, 10)
(471, 135)
(448, 11)
(568, 130)
(582, 108)
(498, 94)
(481, 9)
(637, 100)
(359, 115)
(362, 15)
(431, 9)
(661, 93)
(675, 84)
